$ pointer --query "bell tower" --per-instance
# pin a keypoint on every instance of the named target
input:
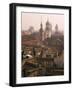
(41, 32)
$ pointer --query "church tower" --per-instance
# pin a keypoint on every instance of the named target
(56, 29)
(41, 32)
(48, 30)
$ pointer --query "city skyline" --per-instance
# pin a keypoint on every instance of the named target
(35, 19)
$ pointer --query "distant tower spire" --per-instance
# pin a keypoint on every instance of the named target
(41, 31)
(47, 24)
(56, 28)
(47, 19)
(48, 29)
(41, 25)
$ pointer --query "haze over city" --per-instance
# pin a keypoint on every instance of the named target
(42, 41)
(34, 19)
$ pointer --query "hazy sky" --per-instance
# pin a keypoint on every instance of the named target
(34, 19)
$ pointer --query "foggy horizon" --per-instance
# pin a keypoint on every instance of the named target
(34, 20)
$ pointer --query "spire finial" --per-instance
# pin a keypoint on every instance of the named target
(47, 19)
(41, 22)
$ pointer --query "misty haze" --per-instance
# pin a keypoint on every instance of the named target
(42, 40)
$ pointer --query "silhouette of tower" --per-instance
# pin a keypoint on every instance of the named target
(41, 32)
(48, 30)
(56, 29)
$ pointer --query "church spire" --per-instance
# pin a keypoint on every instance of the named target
(47, 23)
(41, 25)
(56, 28)
(41, 31)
